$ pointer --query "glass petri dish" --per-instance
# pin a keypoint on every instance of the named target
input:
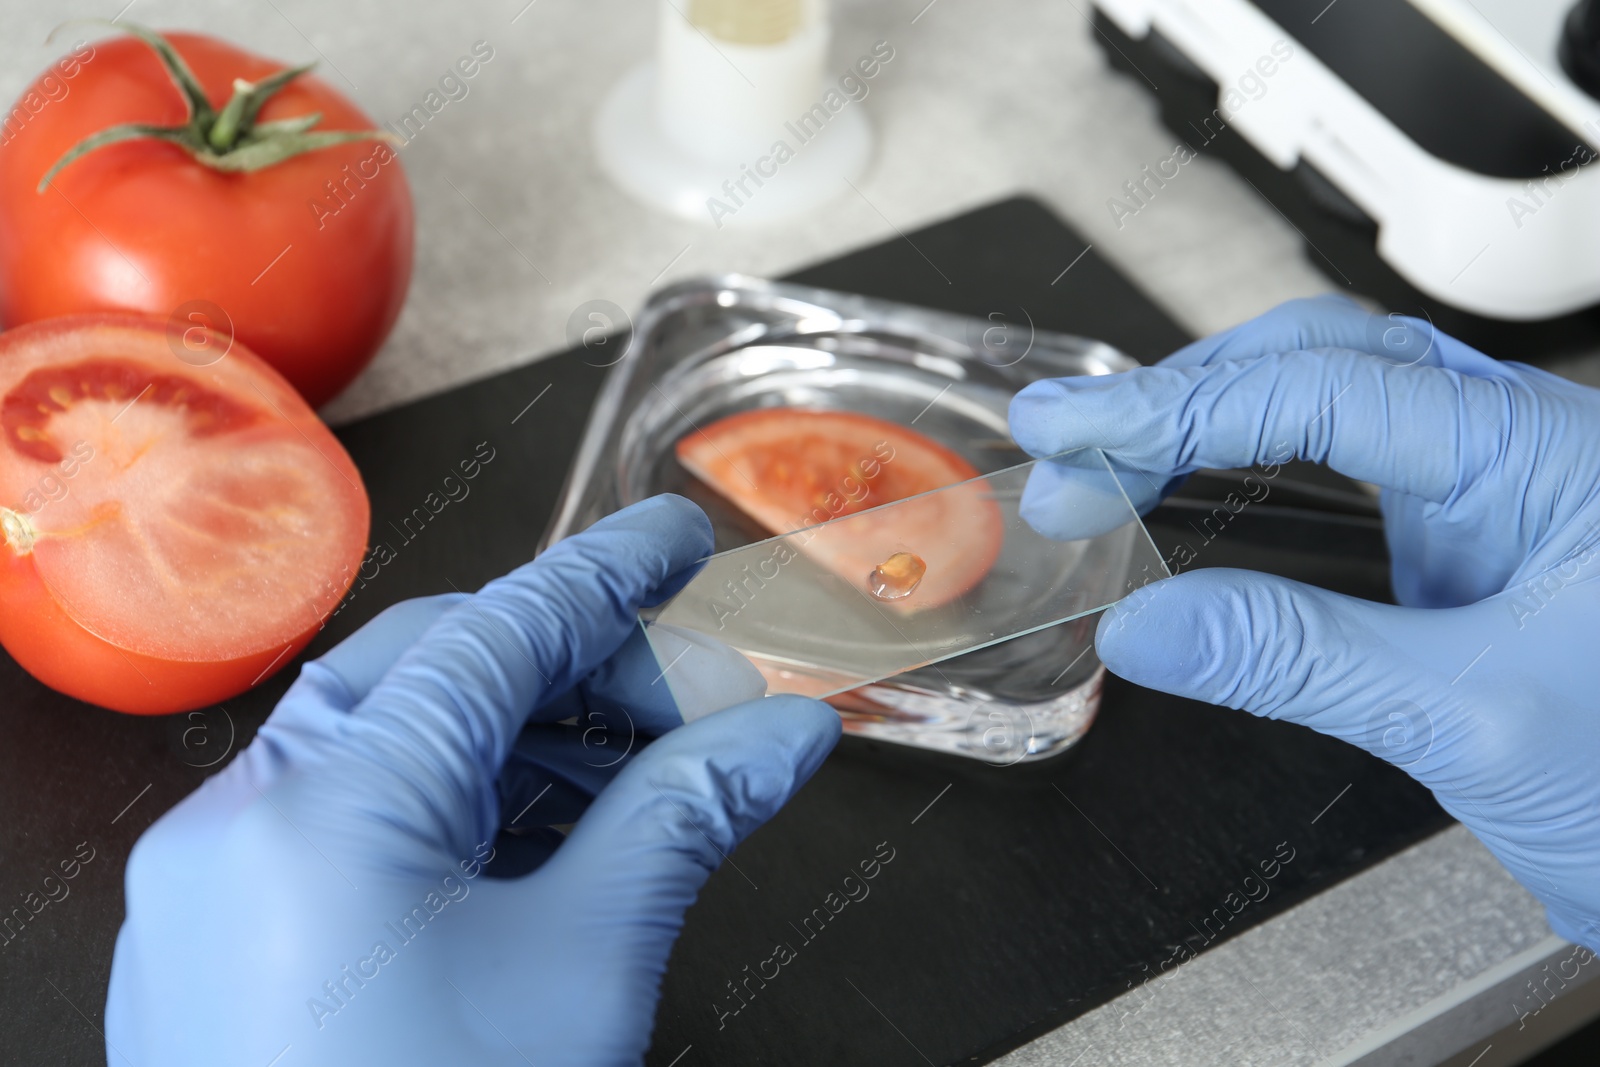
(708, 348)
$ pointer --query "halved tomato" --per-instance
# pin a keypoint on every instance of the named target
(173, 534)
(789, 468)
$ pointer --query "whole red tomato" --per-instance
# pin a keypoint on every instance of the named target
(306, 261)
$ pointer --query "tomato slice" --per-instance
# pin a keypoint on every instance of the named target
(173, 533)
(788, 468)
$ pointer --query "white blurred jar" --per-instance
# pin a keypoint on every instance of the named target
(732, 72)
(729, 78)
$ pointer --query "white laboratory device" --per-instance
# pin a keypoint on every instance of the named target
(1434, 153)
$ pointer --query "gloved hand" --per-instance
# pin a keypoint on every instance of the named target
(1485, 685)
(322, 899)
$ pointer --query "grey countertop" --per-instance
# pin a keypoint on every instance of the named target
(1411, 962)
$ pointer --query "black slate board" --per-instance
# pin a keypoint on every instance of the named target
(1020, 898)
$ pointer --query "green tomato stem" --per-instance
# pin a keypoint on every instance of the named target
(228, 140)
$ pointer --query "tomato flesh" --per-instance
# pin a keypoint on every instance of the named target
(173, 533)
(788, 468)
(27, 410)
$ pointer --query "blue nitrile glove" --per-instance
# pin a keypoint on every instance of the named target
(1485, 686)
(323, 897)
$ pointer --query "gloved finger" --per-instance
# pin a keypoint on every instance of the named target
(627, 693)
(1323, 322)
(447, 712)
(616, 710)
(1326, 321)
(1329, 320)
(1282, 650)
(665, 676)
(623, 693)
(344, 674)
(659, 679)
(555, 771)
(1077, 496)
(614, 895)
(1332, 321)
(364, 657)
(687, 800)
(704, 674)
(1409, 429)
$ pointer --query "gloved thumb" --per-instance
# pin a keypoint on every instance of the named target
(653, 836)
(1278, 649)
(606, 908)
